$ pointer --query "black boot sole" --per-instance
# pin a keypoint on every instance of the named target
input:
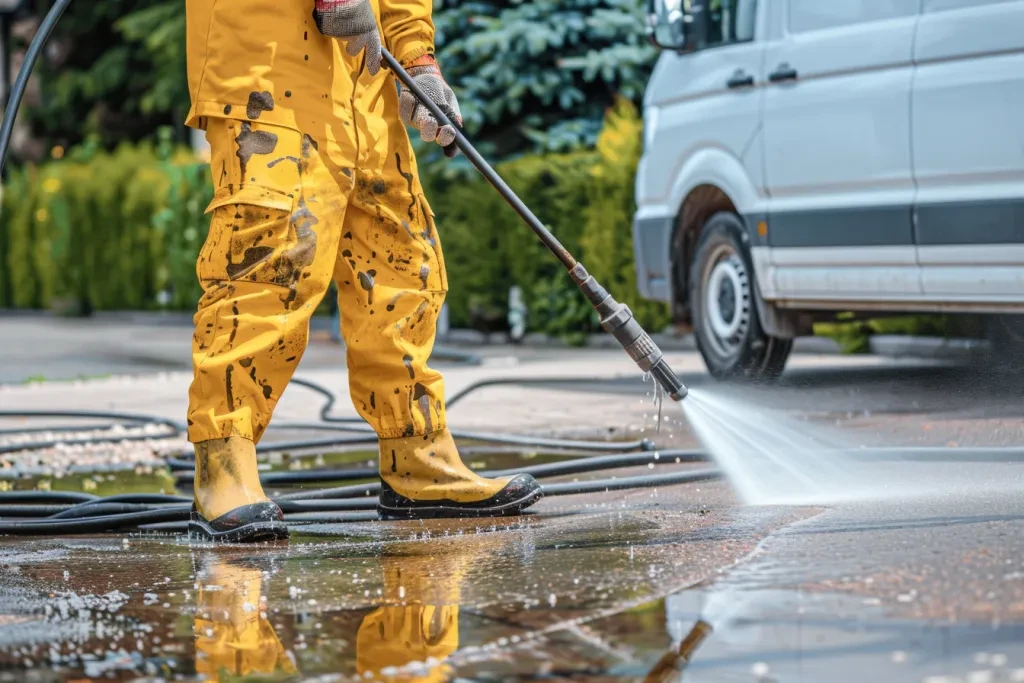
(450, 510)
(257, 532)
(256, 523)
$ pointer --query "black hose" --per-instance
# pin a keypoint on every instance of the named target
(356, 424)
(331, 505)
(94, 525)
(296, 520)
(91, 514)
(645, 481)
(142, 498)
(97, 415)
(568, 466)
(20, 83)
(32, 510)
(175, 464)
(177, 427)
(46, 497)
(576, 466)
(353, 491)
(325, 409)
(102, 516)
(87, 508)
(299, 477)
(99, 509)
(346, 424)
(603, 462)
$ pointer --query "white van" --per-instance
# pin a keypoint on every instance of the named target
(805, 157)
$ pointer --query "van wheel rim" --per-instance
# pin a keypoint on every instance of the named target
(727, 300)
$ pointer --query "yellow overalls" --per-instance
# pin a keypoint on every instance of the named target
(315, 179)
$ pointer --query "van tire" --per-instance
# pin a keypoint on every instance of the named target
(727, 328)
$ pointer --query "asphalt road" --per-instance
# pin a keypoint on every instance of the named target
(917, 578)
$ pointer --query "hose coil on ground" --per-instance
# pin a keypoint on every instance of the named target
(64, 513)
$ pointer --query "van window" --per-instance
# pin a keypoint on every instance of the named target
(815, 15)
(943, 5)
(731, 21)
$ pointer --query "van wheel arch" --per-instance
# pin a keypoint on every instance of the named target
(724, 301)
(702, 202)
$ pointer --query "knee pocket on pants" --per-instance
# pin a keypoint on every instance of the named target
(258, 235)
(435, 244)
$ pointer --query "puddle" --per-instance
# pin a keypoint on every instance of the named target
(805, 637)
(411, 601)
(140, 480)
(404, 611)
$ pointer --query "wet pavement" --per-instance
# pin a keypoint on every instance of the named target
(481, 600)
(922, 582)
(919, 587)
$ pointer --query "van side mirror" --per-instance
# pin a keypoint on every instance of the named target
(675, 24)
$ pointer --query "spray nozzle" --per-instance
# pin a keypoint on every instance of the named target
(618, 320)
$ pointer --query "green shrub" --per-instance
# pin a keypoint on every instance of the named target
(488, 248)
(101, 230)
(608, 241)
(104, 230)
(853, 336)
(585, 198)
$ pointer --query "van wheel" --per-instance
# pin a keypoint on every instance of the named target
(725, 320)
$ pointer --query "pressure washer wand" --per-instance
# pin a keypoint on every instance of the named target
(616, 318)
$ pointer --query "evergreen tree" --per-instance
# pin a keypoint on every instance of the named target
(115, 70)
(539, 75)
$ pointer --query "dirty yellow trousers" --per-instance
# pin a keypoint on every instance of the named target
(292, 212)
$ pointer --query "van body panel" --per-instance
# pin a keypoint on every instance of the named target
(707, 133)
(968, 132)
(838, 148)
(881, 146)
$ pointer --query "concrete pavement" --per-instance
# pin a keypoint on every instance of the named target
(918, 581)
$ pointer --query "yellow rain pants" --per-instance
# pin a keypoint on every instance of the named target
(291, 213)
(315, 180)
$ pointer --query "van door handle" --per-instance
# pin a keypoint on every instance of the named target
(740, 79)
(783, 72)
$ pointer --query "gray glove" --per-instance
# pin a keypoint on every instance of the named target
(428, 77)
(353, 23)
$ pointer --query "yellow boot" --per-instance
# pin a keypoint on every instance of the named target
(229, 501)
(423, 476)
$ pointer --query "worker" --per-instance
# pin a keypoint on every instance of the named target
(315, 179)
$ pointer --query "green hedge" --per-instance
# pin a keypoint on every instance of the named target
(104, 230)
(121, 230)
(585, 198)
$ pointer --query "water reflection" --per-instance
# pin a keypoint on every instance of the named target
(233, 636)
(672, 664)
(407, 636)
(417, 627)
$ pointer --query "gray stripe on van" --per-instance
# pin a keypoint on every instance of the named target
(852, 227)
(979, 222)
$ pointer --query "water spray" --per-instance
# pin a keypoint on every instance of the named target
(616, 318)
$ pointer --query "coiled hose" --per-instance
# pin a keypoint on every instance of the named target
(66, 513)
